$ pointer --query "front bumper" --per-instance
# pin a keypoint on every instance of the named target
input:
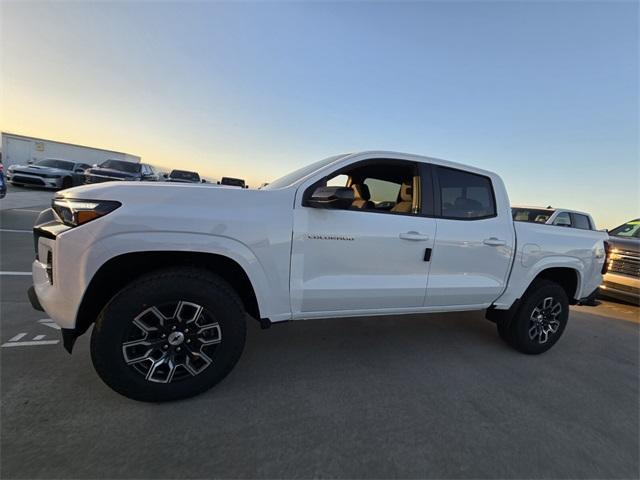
(69, 335)
(58, 280)
(33, 299)
(19, 178)
(624, 287)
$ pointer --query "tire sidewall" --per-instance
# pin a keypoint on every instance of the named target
(114, 322)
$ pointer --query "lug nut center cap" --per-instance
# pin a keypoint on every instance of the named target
(176, 338)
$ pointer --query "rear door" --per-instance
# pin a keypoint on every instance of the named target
(474, 244)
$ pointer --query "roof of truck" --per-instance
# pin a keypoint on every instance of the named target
(551, 209)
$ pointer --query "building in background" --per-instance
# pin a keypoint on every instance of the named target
(19, 149)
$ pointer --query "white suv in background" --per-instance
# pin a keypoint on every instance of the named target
(560, 217)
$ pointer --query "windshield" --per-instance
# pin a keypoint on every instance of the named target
(299, 174)
(61, 164)
(533, 215)
(129, 167)
(234, 182)
(629, 230)
(184, 175)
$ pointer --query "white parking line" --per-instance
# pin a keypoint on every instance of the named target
(49, 323)
(8, 230)
(15, 273)
(30, 343)
(16, 340)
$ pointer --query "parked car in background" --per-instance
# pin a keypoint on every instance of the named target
(622, 274)
(553, 216)
(110, 170)
(48, 173)
(232, 182)
(183, 176)
(170, 278)
(3, 183)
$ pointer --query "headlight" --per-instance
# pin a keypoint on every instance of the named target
(76, 212)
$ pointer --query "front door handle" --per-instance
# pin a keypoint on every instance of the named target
(494, 242)
(413, 236)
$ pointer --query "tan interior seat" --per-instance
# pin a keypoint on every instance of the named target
(362, 196)
(405, 199)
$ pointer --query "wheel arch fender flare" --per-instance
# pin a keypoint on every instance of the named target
(130, 245)
(565, 270)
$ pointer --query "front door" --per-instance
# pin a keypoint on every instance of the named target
(370, 256)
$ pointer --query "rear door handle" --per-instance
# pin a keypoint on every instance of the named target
(494, 242)
(413, 236)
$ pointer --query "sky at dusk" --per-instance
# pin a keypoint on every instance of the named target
(544, 93)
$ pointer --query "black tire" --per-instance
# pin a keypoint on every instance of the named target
(67, 182)
(533, 318)
(115, 325)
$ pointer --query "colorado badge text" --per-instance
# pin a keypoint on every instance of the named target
(329, 237)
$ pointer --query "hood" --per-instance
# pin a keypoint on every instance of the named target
(625, 243)
(180, 180)
(110, 172)
(162, 206)
(38, 169)
(149, 192)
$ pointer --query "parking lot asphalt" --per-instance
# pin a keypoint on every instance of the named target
(435, 396)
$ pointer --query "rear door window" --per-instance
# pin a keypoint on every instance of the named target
(465, 195)
(581, 221)
(563, 220)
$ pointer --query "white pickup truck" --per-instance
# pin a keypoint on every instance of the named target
(168, 274)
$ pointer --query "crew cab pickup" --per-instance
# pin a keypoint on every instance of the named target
(168, 274)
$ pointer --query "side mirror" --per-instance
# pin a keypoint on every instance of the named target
(79, 170)
(331, 197)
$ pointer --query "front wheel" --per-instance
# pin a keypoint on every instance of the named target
(539, 321)
(169, 335)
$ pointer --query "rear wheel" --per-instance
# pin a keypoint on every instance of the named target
(67, 182)
(539, 321)
(169, 335)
